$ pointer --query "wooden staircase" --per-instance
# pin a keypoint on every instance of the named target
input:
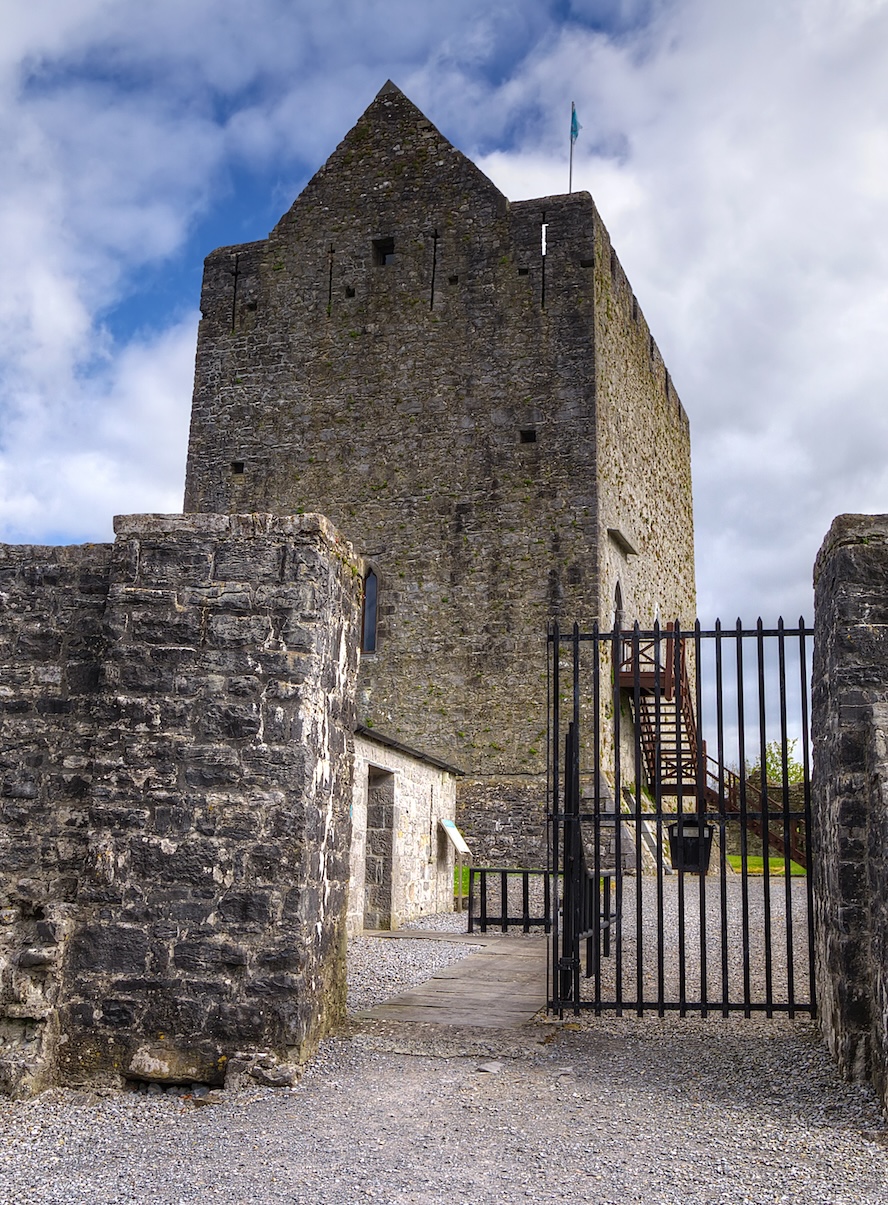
(677, 763)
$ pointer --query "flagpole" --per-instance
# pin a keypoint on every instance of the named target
(570, 177)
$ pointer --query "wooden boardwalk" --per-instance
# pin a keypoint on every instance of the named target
(500, 987)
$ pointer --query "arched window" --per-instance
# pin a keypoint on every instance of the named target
(618, 607)
(368, 622)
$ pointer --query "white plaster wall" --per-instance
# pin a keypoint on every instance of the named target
(422, 858)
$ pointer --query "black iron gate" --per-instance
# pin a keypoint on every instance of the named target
(679, 806)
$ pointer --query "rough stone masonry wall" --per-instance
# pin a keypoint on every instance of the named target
(202, 913)
(52, 603)
(850, 791)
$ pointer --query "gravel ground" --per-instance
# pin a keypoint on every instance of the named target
(610, 1111)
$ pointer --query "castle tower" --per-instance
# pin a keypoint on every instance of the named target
(467, 388)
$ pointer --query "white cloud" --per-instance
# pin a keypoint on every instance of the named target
(112, 444)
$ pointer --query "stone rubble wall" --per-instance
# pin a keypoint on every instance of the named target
(52, 604)
(850, 795)
(184, 897)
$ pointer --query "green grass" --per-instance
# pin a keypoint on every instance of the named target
(777, 866)
(465, 878)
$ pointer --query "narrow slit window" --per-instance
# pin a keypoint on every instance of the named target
(368, 621)
(237, 468)
(527, 435)
(383, 252)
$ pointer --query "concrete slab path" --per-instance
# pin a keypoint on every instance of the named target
(500, 987)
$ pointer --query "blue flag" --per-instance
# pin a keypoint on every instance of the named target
(575, 126)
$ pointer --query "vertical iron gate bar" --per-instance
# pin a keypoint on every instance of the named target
(658, 805)
(765, 814)
(810, 836)
(702, 820)
(567, 932)
(550, 818)
(555, 747)
(722, 816)
(596, 808)
(787, 842)
(679, 790)
(744, 850)
(577, 836)
(616, 640)
(639, 910)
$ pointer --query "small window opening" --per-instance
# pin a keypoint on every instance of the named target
(587, 263)
(368, 621)
(453, 280)
(523, 271)
(349, 291)
(237, 468)
(383, 251)
(527, 435)
(634, 308)
(613, 262)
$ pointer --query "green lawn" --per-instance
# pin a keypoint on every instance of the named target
(465, 878)
(754, 865)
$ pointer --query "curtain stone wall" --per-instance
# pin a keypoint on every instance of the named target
(176, 714)
(850, 730)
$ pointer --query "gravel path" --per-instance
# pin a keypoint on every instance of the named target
(614, 1110)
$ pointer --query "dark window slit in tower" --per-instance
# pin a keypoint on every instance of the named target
(634, 308)
(523, 271)
(587, 263)
(613, 262)
(434, 266)
(453, 280)
(349, 291)
(383, 252)
(237, 468)
(527, 435)
(369, 613)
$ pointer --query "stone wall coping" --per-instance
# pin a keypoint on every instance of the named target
(246, 525)
(389, 742)
(847, 530)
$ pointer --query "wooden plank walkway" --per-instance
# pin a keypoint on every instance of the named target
(500, 987)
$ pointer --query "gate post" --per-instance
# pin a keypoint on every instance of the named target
(850, 794)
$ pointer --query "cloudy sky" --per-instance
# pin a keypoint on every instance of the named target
(738, 154)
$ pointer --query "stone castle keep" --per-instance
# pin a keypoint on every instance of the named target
(231, 736)
(465, 387)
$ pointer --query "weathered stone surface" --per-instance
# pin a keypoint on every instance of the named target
(174, 821)
(485, 414)
(850, 791)
(401, 860)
